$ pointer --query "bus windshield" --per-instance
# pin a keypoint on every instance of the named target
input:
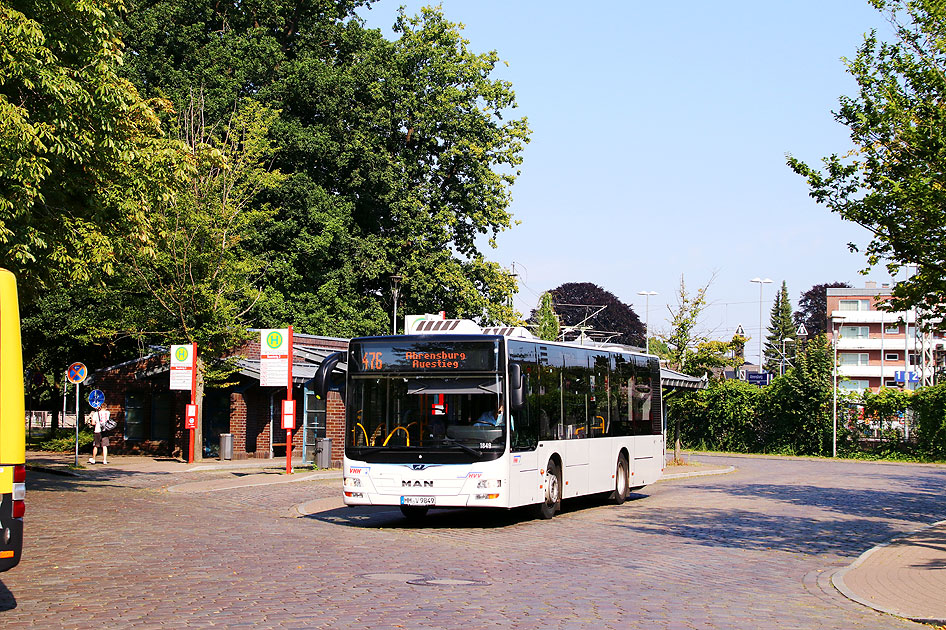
(390, 414)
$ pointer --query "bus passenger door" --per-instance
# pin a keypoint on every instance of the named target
(524, 478)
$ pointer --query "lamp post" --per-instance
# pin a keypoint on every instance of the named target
(835, 333)
(647, 295)
(395, 290)
(761, 282)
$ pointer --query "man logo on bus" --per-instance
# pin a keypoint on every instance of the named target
(274, 339)
(181, 354)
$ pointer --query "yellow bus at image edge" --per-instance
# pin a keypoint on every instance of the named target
(12, 427)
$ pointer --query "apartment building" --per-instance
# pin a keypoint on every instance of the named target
(876, 348)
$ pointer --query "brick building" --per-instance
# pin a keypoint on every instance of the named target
(876, 348)
(151, 415)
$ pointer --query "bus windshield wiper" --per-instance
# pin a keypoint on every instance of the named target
(471, 451)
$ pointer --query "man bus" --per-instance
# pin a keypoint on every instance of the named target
(562, 420)
(12, 427)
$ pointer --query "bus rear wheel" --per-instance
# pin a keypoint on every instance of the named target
(553, 492)
(621, 481)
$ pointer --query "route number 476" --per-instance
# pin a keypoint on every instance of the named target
(371, 361)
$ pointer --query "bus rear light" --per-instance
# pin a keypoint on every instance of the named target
(19, 491)
(355, 495)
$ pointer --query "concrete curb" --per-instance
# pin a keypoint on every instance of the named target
(699, 473)
(837, 579)
(52, 470)
(264, 479)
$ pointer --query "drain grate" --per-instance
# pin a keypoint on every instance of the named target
(447, 582)
(393, 577)
(418, 579)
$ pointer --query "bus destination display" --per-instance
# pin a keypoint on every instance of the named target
(456, 356)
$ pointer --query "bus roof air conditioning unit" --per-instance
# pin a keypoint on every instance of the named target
(509, 331)
(445, 327)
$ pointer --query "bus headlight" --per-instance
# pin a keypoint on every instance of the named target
(352, 482)
(490, 483)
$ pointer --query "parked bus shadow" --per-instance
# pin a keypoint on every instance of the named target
(7, 600)
(387, 516)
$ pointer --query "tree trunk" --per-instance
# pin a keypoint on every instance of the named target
(199, 399)
(676, 440)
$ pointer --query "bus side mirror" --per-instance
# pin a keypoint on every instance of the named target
(517, 390)
(322, 382)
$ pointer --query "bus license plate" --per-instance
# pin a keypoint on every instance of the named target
(428, 501)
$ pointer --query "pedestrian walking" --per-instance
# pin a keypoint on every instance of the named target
(102, 423)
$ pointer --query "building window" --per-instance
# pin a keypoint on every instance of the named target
(892, 329)
(891, 384)
(853, 358)
(135, 417)
(891, 356)
(854, 305)
(855, 332)
(854, 385)
(161, 428)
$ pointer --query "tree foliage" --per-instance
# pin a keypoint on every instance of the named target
(546, 320)
(399, 154)
(579, 306)
(781, 328)
(892, 182)
(813, 308)
(82, 157)
(684, 335)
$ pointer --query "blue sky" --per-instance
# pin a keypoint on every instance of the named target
(659, 134)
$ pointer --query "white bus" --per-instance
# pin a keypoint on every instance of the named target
(467, 417)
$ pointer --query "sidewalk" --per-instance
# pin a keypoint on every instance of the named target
(63, 463)
(905, 577)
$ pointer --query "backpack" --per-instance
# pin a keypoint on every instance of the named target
(109, 423)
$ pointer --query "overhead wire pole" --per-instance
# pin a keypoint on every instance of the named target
(647, 295)
(760, 281)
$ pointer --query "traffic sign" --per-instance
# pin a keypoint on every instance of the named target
(96, 398)
(758, 378)
(275, 355)
(182, 367)
(76, 372)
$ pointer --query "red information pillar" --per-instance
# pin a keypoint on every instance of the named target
(289, 411)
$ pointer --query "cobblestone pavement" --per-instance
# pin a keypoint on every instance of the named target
(751, 549)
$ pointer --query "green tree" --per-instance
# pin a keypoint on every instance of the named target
(546, 321)
(684, 335)
(892, 182)
(198, 277)
(82, 159)
(781, 333)
(399, 155)
(796, 411)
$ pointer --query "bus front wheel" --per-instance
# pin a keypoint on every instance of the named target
(553, 492)
(621, 481)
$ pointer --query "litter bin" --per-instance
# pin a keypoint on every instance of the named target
(323, 453)
(226, 446)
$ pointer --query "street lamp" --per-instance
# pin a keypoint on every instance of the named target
(835, 333)
(647, 295)
(395, 290)
(761, 282)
